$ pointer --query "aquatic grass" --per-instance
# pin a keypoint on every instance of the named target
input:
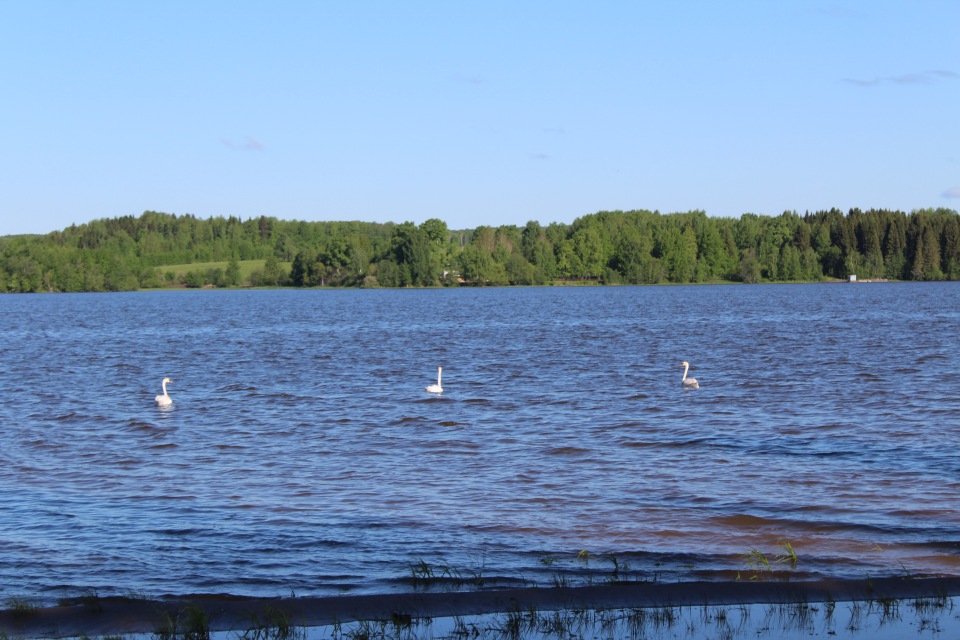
(190, 623)
(421, 572)
(664, 618)
(937, 603)
(368, 630)
(856, 616)
(636, 622)
(930, 609)
(722, 620)
(89, 600)
(792, 618)
(196, 623)
(402, 620)
(547, 559)
(756, 558)
(888, 607)
(799, 615)
(555, 623)
(789, 555)
(273, 625)
(605, 623)
(757, 561)
(463, 630)
(450, 575)
(618, 568)
(719, 618)
(400, 626)
(829, 607)
(460, 629)
(21, 607)
(584, 557)
(515, 622)
(424, 574)
(166, 627)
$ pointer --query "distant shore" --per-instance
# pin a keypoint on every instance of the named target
(115, 616)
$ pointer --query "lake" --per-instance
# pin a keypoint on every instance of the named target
(302, 454)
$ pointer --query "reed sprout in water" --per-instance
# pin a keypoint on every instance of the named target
(790, 619)
(21, 607)
(89, 600)
(424, 574)
(758, 562)
(273, 624)
(789, 555)
(798, 619)
(190, 623)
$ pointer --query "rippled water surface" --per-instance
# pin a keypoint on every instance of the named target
(302, 454)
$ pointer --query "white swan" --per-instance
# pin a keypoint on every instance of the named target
(164, 400)
(688, 383)
(435, 388)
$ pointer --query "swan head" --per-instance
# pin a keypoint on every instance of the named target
(684, 364)
(167, 380)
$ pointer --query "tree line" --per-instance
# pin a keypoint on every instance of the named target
(608, 247)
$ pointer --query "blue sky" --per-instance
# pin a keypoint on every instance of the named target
(477, 113)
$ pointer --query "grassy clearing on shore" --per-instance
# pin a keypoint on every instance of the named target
(246, 267)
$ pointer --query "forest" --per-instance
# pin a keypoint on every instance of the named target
(161, 250)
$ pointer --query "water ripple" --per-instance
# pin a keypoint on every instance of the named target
(301, 452)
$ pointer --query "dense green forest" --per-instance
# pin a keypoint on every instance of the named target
(609, 247)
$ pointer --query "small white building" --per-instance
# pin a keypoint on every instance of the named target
(852, 277)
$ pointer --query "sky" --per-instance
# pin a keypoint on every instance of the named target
(484, 112)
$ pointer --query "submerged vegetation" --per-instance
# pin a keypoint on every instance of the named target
(609, 247)
(190, 623)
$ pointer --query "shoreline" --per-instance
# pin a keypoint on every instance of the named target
(125, 616)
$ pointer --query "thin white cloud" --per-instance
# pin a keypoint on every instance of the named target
(861, 83)
(924, 77)
(911, 78)
(838, 11)
(469, 78)
(248, 144)
(952, 192)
